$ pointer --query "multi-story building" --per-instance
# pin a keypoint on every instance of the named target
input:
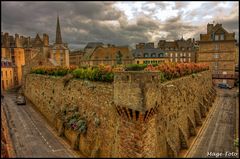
(60, 51)
(107, 54)
(7, 78)
(13, 51)
(146, 53)
(217, 48)
(75, 57)
(179, 50)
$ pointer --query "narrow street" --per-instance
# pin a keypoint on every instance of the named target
(31, 134)
(216, 136)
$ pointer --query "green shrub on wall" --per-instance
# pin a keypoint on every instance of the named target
(100, 73)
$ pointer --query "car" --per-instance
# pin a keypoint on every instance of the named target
(224, 86)
(21, 100)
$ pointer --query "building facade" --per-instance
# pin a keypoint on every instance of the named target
(146, 53)
(12, 51)
(75, 57)
(7, 75)
(179, 50)
(107, 55)
(217, 48)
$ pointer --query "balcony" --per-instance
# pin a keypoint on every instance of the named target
(224, 76)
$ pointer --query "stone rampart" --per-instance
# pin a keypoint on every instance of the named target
(139, 116)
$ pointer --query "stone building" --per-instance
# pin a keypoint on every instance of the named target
(12, 50)
(179, 50)
(7, 78)
(146, 53)
(218, 48)
(75, 57)
(107, 54)
(60, 50)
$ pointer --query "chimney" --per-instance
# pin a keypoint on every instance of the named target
(17, 41)
(209, 28)
(45, 39)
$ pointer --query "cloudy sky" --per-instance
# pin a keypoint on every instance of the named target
(118, 22)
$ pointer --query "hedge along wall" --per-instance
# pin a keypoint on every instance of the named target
(139, 116)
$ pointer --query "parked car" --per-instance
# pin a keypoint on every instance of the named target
(21, 100)
(224, 85)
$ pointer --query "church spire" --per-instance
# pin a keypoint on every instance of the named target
(58, 33)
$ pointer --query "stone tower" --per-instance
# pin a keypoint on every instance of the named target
(58, 33)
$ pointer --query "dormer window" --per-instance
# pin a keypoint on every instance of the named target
(161, 55)
(146, 55)
(153, 55)
(222, 37)
(216, 37)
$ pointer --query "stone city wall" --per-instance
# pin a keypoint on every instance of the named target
(139, 116)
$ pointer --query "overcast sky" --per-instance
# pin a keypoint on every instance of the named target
(120, 23)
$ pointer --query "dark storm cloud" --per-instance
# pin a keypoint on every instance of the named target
(83, 22)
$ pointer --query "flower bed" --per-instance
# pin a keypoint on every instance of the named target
(168, 71)
(105, 73)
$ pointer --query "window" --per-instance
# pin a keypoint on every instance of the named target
(183, 48)
(215, 65)
(6, 74)
(176, 54)
(7, 82)
(216, 37)
(171, 55)
(184, 54)
(222, 37)
(189, 54)
(184, 60)
(153, 55)
(171, 60)
(189, 59)
(180, 54)
(138, 62)
(216, 46)
(146, 55)
(10, 73)
(2, 84)
(216, 55)
(160, 55)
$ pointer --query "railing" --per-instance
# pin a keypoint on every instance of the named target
(224, 76)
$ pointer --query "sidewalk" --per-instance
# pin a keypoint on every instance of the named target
(6, 133)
